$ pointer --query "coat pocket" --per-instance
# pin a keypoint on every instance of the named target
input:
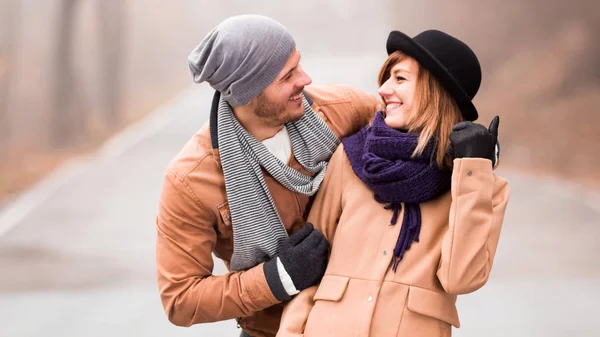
(327, 316)
(332, 288)
(224, 222)
(433, 304)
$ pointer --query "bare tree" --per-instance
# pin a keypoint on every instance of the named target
(69, 120)
(8, 24)
(111, 16)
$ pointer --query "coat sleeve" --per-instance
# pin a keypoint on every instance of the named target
(479, 199)
(345, 109)
(328, 204)
(324, 215)
(365, 106)
(185, 241)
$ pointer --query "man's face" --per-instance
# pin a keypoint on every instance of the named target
(281, 101)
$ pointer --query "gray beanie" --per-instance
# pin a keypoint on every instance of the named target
(241, 56)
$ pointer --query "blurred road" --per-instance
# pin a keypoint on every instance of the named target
(77, 252)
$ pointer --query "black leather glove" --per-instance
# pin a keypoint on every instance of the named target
(472, 140)
(304, 256)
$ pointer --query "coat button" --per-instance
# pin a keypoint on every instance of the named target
(384, 252)
(229, 216)
(469, 172)
(370, 299)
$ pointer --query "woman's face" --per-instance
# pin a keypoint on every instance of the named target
(399, 91)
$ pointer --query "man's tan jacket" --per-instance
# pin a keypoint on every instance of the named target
(193, 223)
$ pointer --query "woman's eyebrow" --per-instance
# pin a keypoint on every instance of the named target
(400, 70)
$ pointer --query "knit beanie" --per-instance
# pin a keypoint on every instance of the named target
(241, 56)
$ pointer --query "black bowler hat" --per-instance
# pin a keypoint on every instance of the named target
(451, 61)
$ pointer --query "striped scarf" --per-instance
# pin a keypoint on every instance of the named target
(257, 228)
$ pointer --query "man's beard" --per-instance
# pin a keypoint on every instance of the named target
(271, 111)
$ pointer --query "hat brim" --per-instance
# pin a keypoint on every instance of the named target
(398, 41)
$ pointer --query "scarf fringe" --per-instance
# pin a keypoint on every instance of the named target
(396, 207)
(409, 233)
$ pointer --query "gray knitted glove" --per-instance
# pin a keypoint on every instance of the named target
(304, 256)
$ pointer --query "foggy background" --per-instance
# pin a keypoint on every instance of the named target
(74, 73)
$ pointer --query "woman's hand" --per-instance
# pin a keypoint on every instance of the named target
(472, 140)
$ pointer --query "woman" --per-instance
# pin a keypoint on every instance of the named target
(409, 228)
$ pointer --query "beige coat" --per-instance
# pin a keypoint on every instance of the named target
(360, 294)
(193, 223)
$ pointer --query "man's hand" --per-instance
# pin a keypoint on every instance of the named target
(304, 256)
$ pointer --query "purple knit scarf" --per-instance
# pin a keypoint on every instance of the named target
(381, 157)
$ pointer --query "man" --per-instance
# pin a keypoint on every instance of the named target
(244, 182)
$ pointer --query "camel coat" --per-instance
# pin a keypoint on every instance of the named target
(360, 294)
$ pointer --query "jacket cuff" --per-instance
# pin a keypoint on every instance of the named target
(469, 174)
(255, 289)
(274, 281)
